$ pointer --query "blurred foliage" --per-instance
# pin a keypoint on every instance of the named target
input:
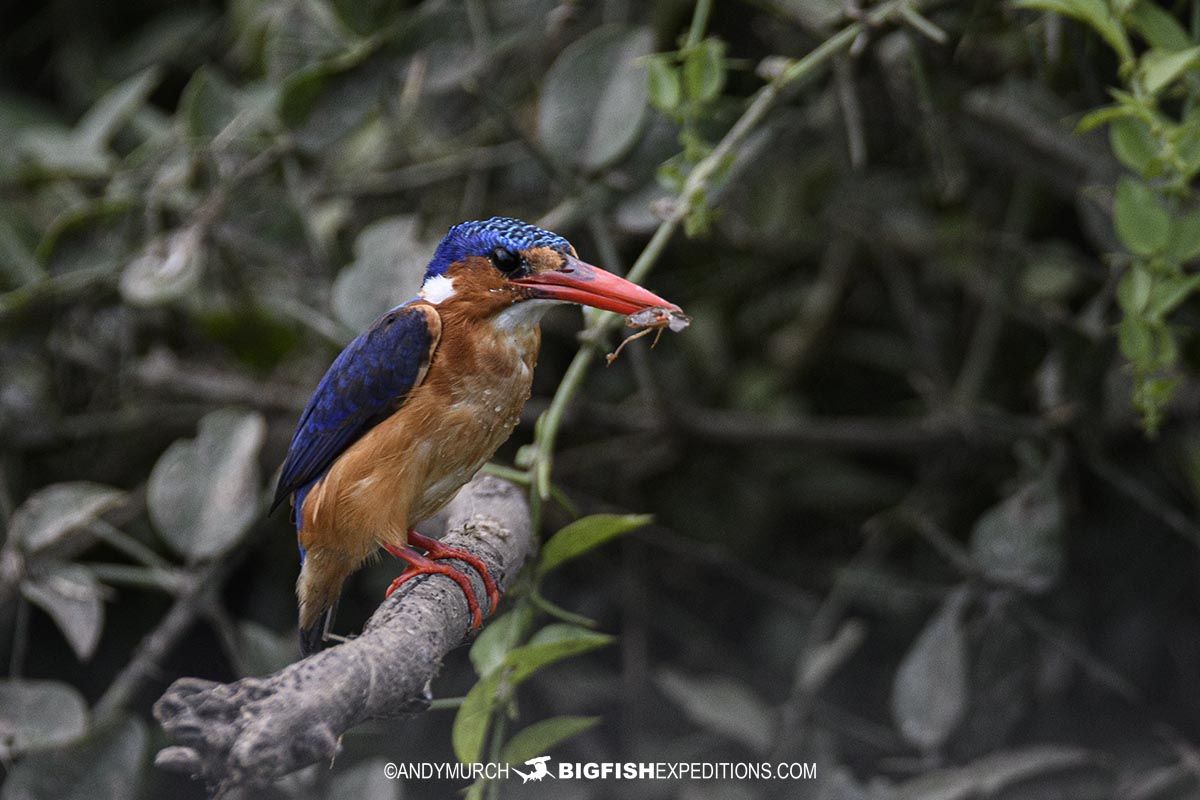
(907, 524)
(1154, 130)
(511, 652)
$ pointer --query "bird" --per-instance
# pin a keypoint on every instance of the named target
(415, 405)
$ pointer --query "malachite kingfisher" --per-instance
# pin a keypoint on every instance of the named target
(414, 406)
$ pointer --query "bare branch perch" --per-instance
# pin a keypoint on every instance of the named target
(255, 730)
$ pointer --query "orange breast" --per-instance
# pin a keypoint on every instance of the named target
(411, 464)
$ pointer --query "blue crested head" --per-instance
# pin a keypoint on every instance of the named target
(481, 237)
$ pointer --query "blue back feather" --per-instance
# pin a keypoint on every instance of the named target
(363, 386)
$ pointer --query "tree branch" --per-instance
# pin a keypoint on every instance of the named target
(255, 730)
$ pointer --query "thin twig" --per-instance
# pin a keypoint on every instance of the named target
(1096, 668)
(128, 545)
(448, 167)
(985, 339)
(20, 638)
(847, 92)
(820, 637)
(933, 384)
(783, 593)
(1166, 513)
(159, 643)
(162, 370)
(960, 558)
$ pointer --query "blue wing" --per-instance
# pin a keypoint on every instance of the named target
(365, 384)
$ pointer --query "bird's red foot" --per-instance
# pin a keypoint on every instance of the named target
(426, 564)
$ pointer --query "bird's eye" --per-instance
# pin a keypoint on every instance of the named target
(506, 260)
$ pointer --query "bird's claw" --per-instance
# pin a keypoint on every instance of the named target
(426, 564)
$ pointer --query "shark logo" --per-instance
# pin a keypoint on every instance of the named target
(538, 772)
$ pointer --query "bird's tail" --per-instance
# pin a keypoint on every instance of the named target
(313, 637)
(318, 589)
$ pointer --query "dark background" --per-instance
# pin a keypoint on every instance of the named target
(908, 525)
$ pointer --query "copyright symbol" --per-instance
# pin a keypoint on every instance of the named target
(391, 771)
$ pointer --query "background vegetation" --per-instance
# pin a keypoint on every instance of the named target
(924, 471)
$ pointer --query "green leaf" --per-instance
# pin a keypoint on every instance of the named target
(561, 614)
(204, 492)
(300, 94)
(549, 645)
(1132, 143)
(1021, 540)
(1136, 339)
(85, 236)
(107, 765)
(1141, 222)
(53, 151)
(364, 19)
(500, 636)
(541, 737)
(722, 705)
(1184, 244)
(71, 595)
(18, 238)
(52, 514)
(1051, 274)
(1151, 396)
(929, 693)
(208, 104)
(326, 102)
(473, 718)
(1169, 292)
(389, 263)
(594, 96)
(167, 38)
(1133, 291)
(704, 70)
(1094, 119)
(475, 790)
(1095, 13)
(39, 714)
(1186, 144)
(1160, 68)
(1166, 350)
(300, 36)
(1158, 27)
(666, 89)
(586, 534)
(104, 119)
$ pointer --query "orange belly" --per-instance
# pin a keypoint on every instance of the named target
(407, 467)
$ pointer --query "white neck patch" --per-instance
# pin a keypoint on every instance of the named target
(524, 314)
(437, 289)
